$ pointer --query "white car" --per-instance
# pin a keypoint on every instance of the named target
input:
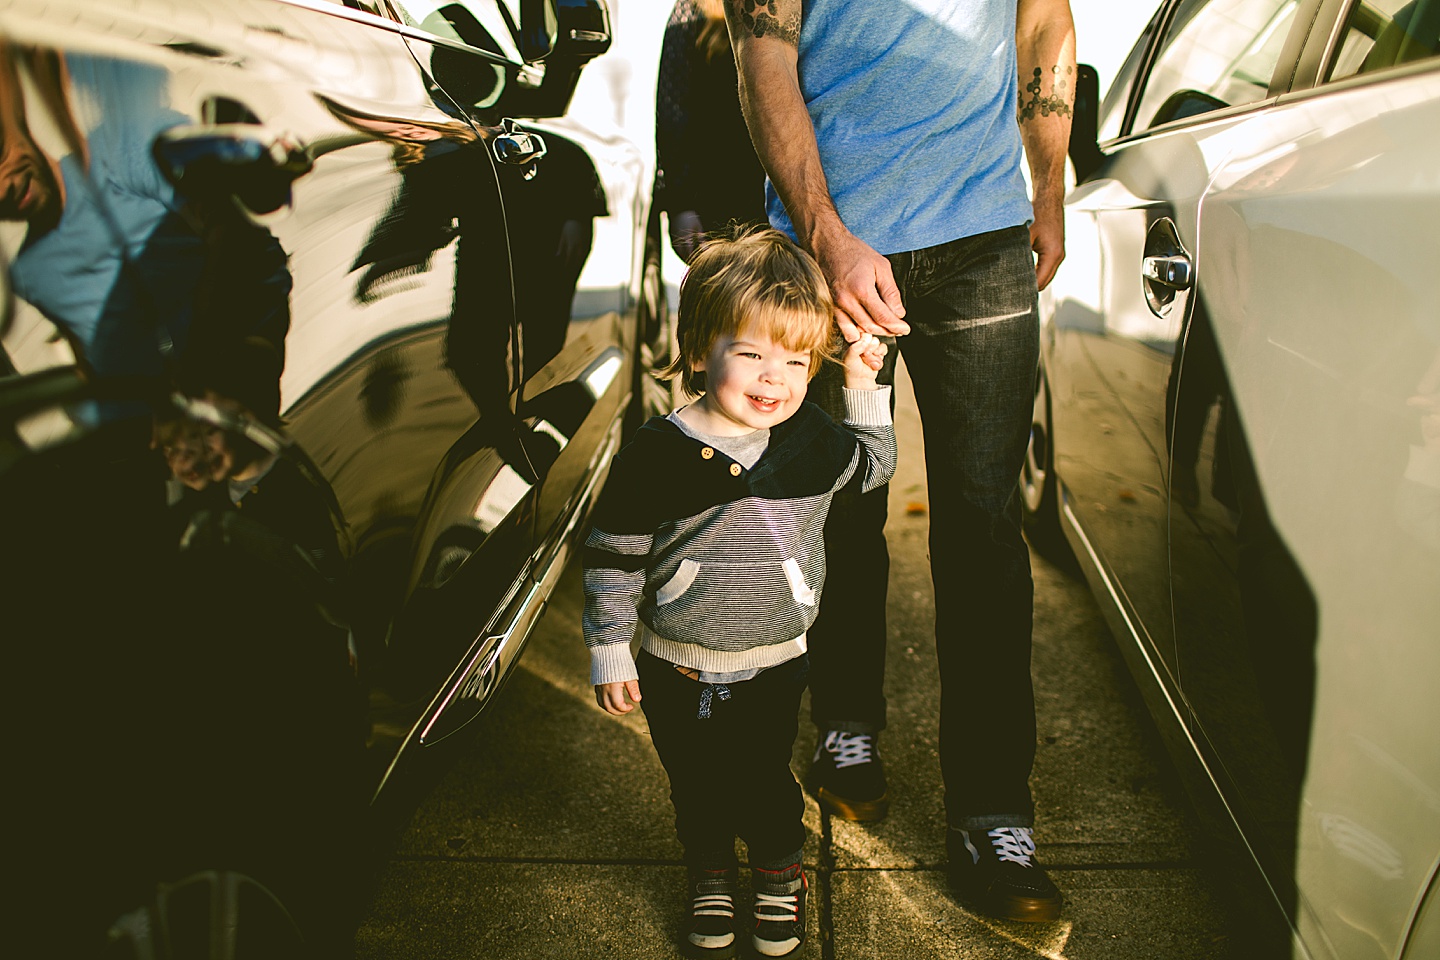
(1237, 435)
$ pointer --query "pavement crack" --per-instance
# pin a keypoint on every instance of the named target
(565, 861)
(1049, 867)
(824, 869)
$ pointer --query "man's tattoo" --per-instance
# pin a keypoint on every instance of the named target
(760, 19)
(1055, 103)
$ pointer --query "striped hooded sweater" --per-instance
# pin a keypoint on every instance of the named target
(719, 568)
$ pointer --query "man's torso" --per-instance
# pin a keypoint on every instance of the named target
(914, 111)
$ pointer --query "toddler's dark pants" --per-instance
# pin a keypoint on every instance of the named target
(729, 772)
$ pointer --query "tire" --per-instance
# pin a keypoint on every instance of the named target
(1039, 488)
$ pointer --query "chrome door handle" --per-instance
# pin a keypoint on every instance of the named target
(1175, 272)
(517, 146)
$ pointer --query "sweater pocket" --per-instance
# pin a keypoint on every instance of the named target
(799, 589)
(675, 588)
(717, 602)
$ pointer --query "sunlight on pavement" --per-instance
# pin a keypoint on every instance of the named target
(573, 679)
(1046, 940)
(1042, 939)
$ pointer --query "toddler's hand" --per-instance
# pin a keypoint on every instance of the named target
(611, 697)
(863, 359)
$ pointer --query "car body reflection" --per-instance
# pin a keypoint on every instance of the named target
(306, 392)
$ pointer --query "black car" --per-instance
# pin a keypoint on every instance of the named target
(317, 347)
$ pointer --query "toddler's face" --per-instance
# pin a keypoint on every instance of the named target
(752, 382)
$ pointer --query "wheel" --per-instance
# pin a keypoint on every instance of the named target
(215, 915)
(1039, 487)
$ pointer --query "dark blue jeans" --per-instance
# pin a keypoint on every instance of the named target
(972, 354)
(729, 771)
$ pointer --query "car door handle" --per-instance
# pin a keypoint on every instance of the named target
(1173, 271)
(517, 146)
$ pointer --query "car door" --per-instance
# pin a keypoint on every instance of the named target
(399, 359)
(1117, 340)
(1308, 543)
(266, 207)
(573, 219)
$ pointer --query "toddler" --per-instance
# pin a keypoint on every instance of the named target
(707, 546)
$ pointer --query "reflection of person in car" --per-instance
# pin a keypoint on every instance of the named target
(443, 199)
(30, 190)
(189, 451)
(707, 542)
(551, 217)
(122, 265)
(95, 203)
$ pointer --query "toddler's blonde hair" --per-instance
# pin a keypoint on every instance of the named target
(758, 279)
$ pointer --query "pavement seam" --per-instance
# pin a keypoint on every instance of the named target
(1049, 867)
(824, 869)
(566, 861)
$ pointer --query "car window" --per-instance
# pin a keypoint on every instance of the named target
(482, 24)
(1215, 53)
(1386, 33)
(1112, 111)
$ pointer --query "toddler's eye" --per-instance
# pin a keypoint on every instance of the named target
(801, 363)
(751, 356)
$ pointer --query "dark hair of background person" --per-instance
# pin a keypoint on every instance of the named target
(708, 176)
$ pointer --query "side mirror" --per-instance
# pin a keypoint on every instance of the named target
(582, 34)
(1085, 124)
(584, 29)
(538, 32)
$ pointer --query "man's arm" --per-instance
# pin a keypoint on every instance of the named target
(1045, 48)
(765, 35)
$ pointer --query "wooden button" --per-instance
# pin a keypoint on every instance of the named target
(734, 469)
(707, 452)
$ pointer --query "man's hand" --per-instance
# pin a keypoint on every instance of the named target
(611, 697)
(685, 233)
(1047, 239)
(863, 285)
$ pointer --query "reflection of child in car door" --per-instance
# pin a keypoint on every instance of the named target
(707, 546)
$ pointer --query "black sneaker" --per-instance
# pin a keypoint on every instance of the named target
(997, 874)
(779, 910)
(847, 777)
(709, 929)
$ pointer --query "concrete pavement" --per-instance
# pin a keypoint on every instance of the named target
(553, 836)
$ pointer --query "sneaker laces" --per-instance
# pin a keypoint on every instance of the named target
(1013, 844)
(848, 749)
(772, 907)
(714, 898)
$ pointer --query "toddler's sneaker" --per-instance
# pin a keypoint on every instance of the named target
(779, 910)
(709, 928)
(847, 778)
(996, 873)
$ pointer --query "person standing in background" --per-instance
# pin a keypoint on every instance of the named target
(709, 175)
(890, 137)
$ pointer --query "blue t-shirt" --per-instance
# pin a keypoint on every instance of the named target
(122, 211)
(914, 109)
